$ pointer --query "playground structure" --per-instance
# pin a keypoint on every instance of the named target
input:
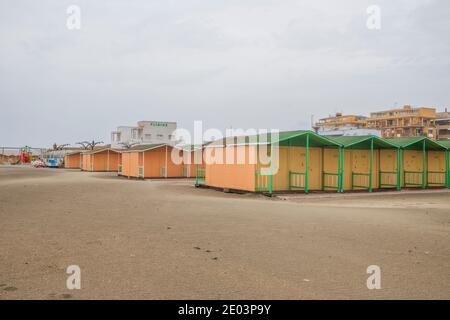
(25, 155)
(19, 155)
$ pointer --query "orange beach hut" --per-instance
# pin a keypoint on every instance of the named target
(424, 162)
(369, 163)
(105, 159)
(153, 161)
(294, 161)
(73, 160)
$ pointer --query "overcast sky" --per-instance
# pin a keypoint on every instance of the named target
(241, 63)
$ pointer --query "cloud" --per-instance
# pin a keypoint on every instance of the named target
(262, 64)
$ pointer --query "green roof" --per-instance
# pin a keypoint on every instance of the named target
(285, 138)
(416, 143)
(193, 147)
(363, 142)
(99, 150)
(144, 147)
(445, 143)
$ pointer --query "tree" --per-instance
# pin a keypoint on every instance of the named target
(89, 145)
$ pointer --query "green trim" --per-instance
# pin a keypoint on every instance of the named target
(342, 169)
(293, 186)
(265, 185)
(339, 170)
(399, 169)
(388, 174)
(408, 174)
(199, 175)
(424, 163)
(354, 174)
(371, 165)
(271, 170)
(447, 168)
(433, 174)
(329, 174)
(307, 165)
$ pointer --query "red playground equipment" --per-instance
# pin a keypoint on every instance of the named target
(25, 155)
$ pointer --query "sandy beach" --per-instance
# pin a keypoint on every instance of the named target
(165, 239)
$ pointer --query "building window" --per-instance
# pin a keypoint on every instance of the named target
(148, 136)
(160, 136)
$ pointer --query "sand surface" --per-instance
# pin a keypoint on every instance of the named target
(159, 239)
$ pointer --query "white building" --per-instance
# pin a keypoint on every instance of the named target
(348, 131)
(146, 132)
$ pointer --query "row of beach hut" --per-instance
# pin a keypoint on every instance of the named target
(295, 161)
(143, 161)
(310, 162)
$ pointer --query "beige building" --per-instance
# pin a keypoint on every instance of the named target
(344, 125)
(404, 122)
(340, 121)
(442, 123)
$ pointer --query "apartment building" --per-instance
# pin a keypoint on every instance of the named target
(344, 125)
(340, 121)
(146, 132)
(442, 123)
(404, 122)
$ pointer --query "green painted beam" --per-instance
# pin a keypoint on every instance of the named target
(424, 164)
(399, 175)
(371, 165)
(306, 164)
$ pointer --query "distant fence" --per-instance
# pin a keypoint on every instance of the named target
(11, 154)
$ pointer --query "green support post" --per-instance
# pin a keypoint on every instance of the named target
(447, 168)
(343, 170)
(398, 169)
(424, 165)
(339, 170)
(403, 175)
(307, 163)
(322, 170)
(370, 165)
(196, 174)
(271, 170)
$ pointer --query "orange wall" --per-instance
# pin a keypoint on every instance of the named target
(102, 161)
(436, 164)
(294, 159)
(242, 176)
(72, 161)
(189, 169)
(231, 176)
(435, 161)
(130, 164)
(358, 161)
(86, 162)
(153, 161)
